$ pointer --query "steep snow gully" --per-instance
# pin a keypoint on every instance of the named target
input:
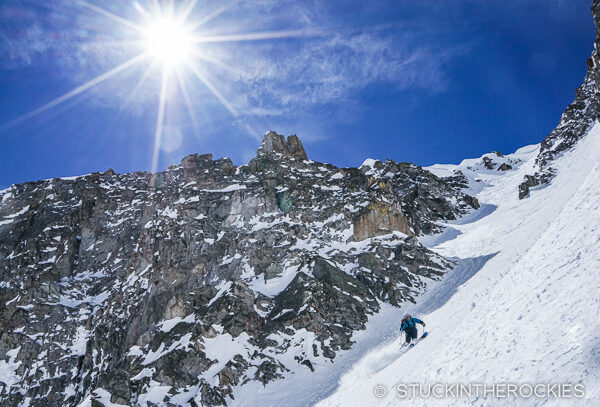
(521, 308)
(518, 311)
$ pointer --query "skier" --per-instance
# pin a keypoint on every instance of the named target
(408, 325)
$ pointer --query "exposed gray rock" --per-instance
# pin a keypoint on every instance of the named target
(276, 143)
(495, 161)
(577, 119)
(489, 164)
(114, 284)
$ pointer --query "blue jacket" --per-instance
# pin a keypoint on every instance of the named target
(410, 323)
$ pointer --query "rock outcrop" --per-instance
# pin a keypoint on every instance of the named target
(276, 143)
(183, 285)
(381, 218)
(576, 121)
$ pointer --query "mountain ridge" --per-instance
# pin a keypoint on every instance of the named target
(193, 281)
(188, 285)
(576, 121)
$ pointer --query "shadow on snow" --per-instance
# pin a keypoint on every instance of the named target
(450, 233)
(438, 295)
(381, 349)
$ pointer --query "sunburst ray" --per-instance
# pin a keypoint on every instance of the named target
(187, 100)
(217, 62)
(169, 32)
(188, 10)
(110, 15)
(210, 16)
(211, 87)
(160, 118)
(267, 35)
(82, 88)
(141, 81)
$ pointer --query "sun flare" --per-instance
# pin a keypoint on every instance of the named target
(168, 41)
(168, 34)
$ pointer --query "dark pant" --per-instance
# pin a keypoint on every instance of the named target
(411, 333)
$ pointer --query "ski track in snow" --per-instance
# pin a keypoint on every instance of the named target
(521, 306)
(524, 309)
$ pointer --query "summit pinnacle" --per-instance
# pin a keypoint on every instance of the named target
(276, 143)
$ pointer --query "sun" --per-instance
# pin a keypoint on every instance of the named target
(168, 41)
(168, 33)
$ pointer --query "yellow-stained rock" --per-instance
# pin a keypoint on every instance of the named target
(382, 218)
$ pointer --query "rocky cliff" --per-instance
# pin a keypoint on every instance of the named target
(576, 121)
(178, 287)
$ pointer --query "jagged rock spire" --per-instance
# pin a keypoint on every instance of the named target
(276, 143)
(578, 118)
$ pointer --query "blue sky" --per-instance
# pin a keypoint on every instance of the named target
(425, 81)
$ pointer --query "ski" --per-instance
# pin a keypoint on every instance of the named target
(412, 345)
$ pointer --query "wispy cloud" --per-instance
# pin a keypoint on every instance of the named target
(26, 33)
(21, 47)
(268, 79)
(331, 69)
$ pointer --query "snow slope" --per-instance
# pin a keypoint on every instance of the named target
(523, 305)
